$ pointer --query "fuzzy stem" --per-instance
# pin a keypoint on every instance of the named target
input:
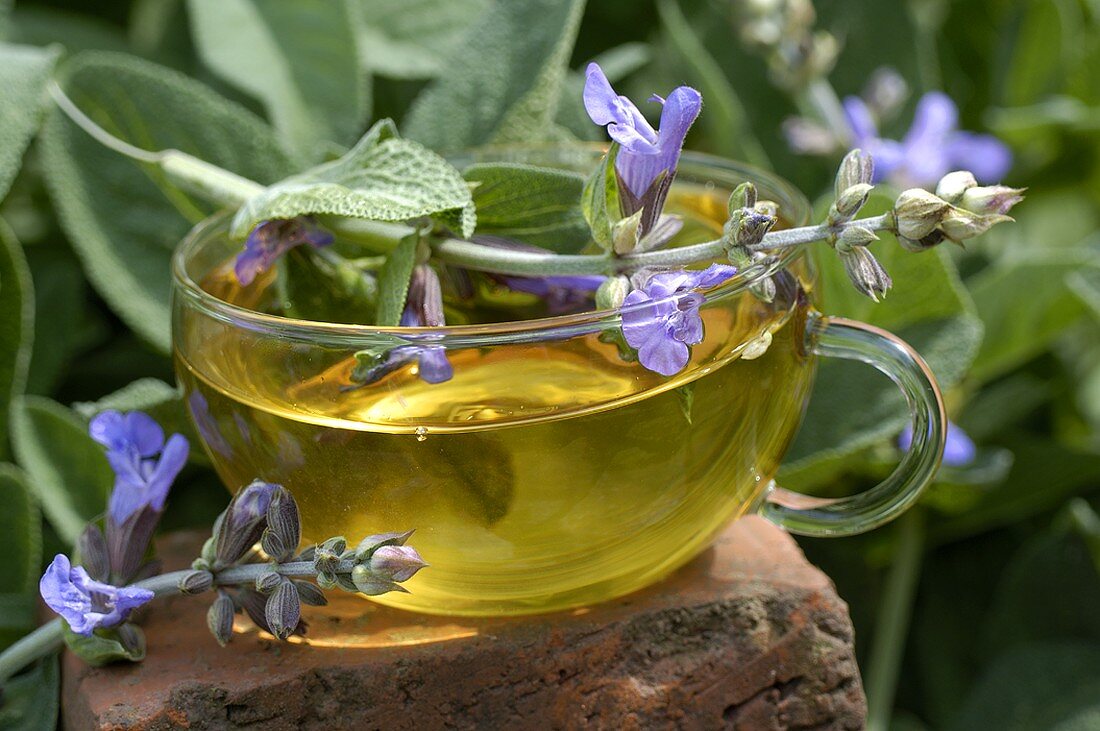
(44, 641)
(892, 628)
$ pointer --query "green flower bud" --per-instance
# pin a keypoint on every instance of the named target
(132, 640)
(743, 196)
(612, 292)
(310, 594)
(857, 168)
(849, 202)
(960, 224)
(367, 582)
(195, 582)
(930, 241)
(268, 582)
(327, 556)
(370, 544)
(747, 227)
(991, 199)
(624, 233)
(918, 212)
(219, 618)
(327, 581)
(852, 236)
(283, 610)
(866, 274)
(953, 185)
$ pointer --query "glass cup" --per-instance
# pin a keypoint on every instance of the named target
(552, 471)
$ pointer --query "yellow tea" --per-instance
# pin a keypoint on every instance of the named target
(543, 475)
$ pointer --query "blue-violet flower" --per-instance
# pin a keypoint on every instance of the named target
(958, 450)
(931, 148)
(86, 604)
(562, 294)
(142, 478)
(645, 153)
(662, 318)
(271, 239)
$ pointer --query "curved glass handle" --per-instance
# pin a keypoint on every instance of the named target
(809, 516)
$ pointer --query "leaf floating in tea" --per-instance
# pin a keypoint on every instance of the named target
(483, 473)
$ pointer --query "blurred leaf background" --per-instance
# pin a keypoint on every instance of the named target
(978, 610)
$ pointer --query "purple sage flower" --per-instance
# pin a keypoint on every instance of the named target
(145, 465)
(84, 603)
(271, 239)
(662, 318)
(645, 152)
(933, 146)
(958, 450)
(562, 294)
(396, 563)
(241, 525)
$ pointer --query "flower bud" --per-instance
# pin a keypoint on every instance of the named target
(746, 227)
(273, 546)
(885, 92)
(327, 556)
(960, 224)
(92, 548)
(866, 273)
(208, 553)
(857, 168)
(743, 196)
(918, 212)
(852, 236)
(991, 199)
(284, 524)
(953, 185)
(366, 582)
(930, 241)
(397, 563)
(370, 544)
(132, 640)
(219, 618)
(624, 233)
(310, 594)
(849, 202)
(763, 289)
(243, 522)
(268, 582)
(327, 581)
(768, 208)
(612, 292)
(195, 582)
(283, 610)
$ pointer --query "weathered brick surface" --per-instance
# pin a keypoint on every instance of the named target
(748, 636)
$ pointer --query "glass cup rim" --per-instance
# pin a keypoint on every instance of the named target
(793, 205)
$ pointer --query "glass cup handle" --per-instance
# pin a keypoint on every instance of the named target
(810, 516)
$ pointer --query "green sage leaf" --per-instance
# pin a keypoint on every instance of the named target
(600, 199)
(21, 547)
(393, 281)
(66, 469)
(123, 217)
(382, 178)
(102, 647)
(300, 59)
(411, 39)
(539, 206)
(24, 73)
(32, 699)
(502, 82)
(16, 326)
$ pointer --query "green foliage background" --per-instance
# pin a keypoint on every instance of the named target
(978, 610)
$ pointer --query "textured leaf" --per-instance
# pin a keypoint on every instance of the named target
(540, 206)
(65, 468)
(383, 178)
(32, 700)
(16, 326)
(40, 26)
(1025, 304)
(928, 307)
(24, 72)
(1054, 686)
(122, 217)
(21, 547)
(301, 59)
(502, 82)
(411, 39)
(393, 281)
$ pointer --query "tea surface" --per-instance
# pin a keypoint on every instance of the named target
(543, 475)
